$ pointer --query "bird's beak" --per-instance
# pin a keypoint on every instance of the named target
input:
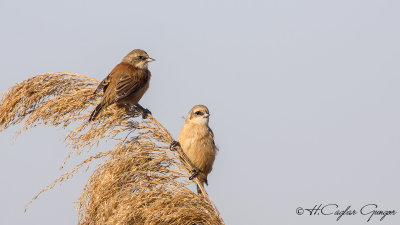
(150, 60)
(206, 115)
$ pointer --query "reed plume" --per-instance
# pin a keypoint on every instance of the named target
(139, 181)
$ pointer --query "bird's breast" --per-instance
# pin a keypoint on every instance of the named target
(198, 144)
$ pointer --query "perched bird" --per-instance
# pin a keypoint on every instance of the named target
(126, 83)
(197, 142)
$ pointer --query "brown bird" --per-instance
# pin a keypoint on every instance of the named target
(197, 142)
(126, 84)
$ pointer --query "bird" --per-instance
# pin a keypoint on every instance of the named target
(197, 142)
(126, 83)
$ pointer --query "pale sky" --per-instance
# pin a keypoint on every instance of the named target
(304, 98)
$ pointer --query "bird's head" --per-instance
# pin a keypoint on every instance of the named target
(138, 58)
(198, 114)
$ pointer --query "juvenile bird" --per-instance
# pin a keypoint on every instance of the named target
(127, 82)
(197, 142)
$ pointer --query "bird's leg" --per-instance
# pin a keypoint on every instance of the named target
(145, 112)
(194, 174)
(174, 145)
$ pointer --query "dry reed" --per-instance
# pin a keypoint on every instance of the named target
(139, 181)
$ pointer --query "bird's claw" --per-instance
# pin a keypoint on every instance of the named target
(145, 113)
(194, 174)
(174, 145)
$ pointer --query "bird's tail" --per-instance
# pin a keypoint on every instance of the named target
(202, 184)
(96, 111)
(199, 189)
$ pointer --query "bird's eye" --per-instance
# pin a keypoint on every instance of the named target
(140, 57)
(198, 113)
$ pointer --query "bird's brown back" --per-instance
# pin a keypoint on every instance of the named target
(130, 75)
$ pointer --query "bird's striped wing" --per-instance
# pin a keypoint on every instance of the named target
(129, 85)
(212, 135)
(103, 84)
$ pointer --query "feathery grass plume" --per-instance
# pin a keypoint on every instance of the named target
(139, 181)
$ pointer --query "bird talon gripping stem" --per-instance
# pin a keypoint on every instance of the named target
(145, 113)
(194, 174)
(174, 145)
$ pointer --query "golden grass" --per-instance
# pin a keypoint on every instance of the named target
(139, 181)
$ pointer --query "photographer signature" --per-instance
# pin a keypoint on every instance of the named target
(369, 210)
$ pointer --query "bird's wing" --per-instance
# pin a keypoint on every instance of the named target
(212, 135)
(103, 84)
(128, 85)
